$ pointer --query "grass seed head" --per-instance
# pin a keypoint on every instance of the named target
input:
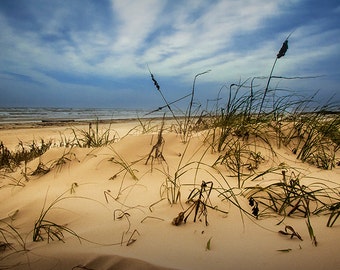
(283, 49)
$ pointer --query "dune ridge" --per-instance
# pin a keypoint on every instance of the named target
(115, 207)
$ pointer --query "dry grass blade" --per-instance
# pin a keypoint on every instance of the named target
(9, 234)
(281, 53)
(63, 160)
(255, 207)
(179, 219)
(131, 239)
(335, 208)
(198, 199)
(126, 167)
(164, 99)
(73, 187)
(311, 232)
(150, 217)
(285, 250)
(208, 245)
(118, 214)
(83, 267)
(41, 169)
(157, 150)
(187, 126)
(291, 232)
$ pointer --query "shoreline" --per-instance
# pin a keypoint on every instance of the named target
(72, 122)
(40, 115)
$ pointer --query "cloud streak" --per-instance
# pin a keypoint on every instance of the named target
(90, 44)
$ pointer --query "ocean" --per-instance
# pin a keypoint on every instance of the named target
(34, 115)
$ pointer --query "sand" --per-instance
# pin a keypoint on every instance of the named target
(118, 207)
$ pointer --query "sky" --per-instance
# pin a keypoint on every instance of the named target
(86, 53)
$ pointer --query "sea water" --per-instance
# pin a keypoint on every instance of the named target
(28, 114)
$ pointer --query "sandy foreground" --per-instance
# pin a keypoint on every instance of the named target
(118, 207)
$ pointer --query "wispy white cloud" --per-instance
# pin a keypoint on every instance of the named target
(136, 19)
(123, 48)
(201, 40)
(176, 38)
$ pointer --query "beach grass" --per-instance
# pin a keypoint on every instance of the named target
(45, 229)
(10, 160)
(93, 137)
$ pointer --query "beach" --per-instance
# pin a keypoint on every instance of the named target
(149, 200)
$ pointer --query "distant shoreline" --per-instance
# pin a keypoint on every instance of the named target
(41, 116)
(73, 122)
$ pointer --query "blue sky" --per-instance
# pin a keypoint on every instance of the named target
(83, 53)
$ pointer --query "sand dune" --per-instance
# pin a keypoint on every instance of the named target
(118, 209)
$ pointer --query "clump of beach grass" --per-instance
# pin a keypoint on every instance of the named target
(10, 160)
(47, 229)
(93, 137)
(5, 157)
(44, 228)
(290, 197)
(240, 158)
(172, 185)
(316, 139)
(199, 202)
